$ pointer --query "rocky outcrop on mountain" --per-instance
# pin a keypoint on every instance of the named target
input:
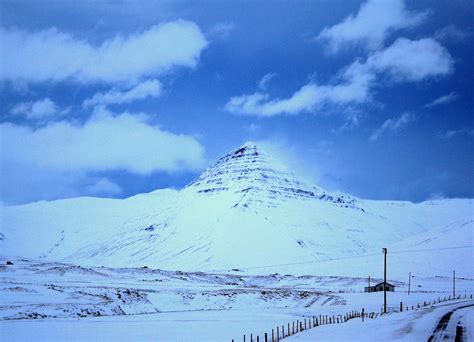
(256, 178)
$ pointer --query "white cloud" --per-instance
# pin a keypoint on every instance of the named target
(222, 30)
(456, 132)
(393, 125)
(302, 100)
(263, 84)
(404, 61)
(353, 118)
(451, 33)
(55, 55)
(450, 133)
(436, 196)
(353, 87)
(412, 60)
(62, 159)
(149, 88)
(103, 187)
(105, 142)
(372, 24)
(252, 128)
(38, 110)
(452, 96)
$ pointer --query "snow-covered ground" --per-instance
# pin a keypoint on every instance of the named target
(55, 301)
(415, 325)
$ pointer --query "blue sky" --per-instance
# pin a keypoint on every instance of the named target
(113, 98)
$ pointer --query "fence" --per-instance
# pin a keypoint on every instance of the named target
(291, 328)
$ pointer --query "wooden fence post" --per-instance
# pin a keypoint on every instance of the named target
(288, 333)
(278, 333)
(273, 335)
(401, 307)
(244, 338)
(251, 338)
(258, 338)
(282, 331)
(293, 327)
(266, 338)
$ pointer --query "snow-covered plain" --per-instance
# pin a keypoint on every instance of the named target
(245, 247)
(56, 301)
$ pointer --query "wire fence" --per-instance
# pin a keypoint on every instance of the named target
(291, 328)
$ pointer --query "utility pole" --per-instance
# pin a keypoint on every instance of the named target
(409, 282)
(384, 250)
(454, 284)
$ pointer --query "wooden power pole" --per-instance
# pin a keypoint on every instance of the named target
(384, 250)
(454, 284)
(409, 282)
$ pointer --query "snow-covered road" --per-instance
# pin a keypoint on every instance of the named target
(467, 322)
(408, 326)
(454, 325)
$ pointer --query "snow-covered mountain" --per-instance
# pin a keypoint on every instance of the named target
(257, 179)
(245, 211)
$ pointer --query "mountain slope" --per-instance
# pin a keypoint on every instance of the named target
(245, 211)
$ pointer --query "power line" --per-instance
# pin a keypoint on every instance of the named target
(431, 249)
(300, 263)
(345, 258)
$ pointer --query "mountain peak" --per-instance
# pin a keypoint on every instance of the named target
(249, 144)
(253, 176)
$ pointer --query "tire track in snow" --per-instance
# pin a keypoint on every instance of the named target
(440, 333)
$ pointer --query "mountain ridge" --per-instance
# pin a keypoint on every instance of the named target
(231, 227)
